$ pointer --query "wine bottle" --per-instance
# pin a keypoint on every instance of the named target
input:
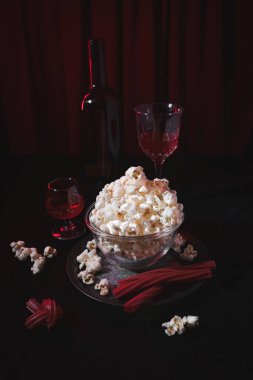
(100, 130)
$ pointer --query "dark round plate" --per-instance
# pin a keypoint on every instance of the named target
(113, 272)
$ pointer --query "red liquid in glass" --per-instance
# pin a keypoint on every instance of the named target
(63, 200)
(59, 206)
(157, 145)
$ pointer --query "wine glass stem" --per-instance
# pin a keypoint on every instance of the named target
(158, 169)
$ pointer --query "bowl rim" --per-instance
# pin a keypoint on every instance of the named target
(96, 230)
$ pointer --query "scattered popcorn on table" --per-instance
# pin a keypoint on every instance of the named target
(191, 320)
(50, 252)
(17, 245)
(178, 324)
(38, 264)
(34, 254)
(23, 253)
(188, 254)
(179, 241)
(103, 286)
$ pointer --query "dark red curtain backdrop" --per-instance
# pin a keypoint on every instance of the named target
(194, 52)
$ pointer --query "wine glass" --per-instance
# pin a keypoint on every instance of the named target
(65, 201)
(158, 127)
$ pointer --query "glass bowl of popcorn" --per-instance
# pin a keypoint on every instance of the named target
(134, 220)
(132, 252)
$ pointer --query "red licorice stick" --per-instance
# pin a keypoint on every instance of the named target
(54, 312)
(45, 313)
(36, 319)
(167, 274)
(33, 305)
(129, 289)
(53, 319)
(145, 297)
(158, 278)
(150, 275)
(47, 304)
(206, 264)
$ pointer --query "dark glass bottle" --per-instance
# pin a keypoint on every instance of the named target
(100, 130)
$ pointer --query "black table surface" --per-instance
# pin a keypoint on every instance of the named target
(95, 339)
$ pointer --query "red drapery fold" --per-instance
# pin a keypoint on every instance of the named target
(196, 53)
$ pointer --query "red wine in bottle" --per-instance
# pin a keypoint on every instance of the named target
(100, 130)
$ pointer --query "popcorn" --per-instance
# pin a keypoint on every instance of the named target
(91, 245)
(82, 258)
(136, 206)
(38, 265)
(178, 324)
(188, 254)
(85, 256)
(50, 252)
(91, 261)
(103, 286)
(23, 253)
(34, 254)
(86, 277)
(178, 242)
(93, 265)
(17, 245)
(191, 320)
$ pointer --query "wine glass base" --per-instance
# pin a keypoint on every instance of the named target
(61, 232)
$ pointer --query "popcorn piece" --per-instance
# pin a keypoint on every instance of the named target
(82, 258)
(103, 286)
(178, 242)
(86, 277)
(85, 256)
(93, 265)
(171, 330)
(50, 252)
(17, 245)
(23, 253)
(34, 254)
(188, 254)
(38, 265)
(191, 321)
(91, 245)
(178, 324)
(91, 261)
(143, 189)
(89, 279)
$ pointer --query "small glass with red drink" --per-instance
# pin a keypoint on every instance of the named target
(64, 201)
(158, 126)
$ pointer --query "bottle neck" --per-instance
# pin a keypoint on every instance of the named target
(96, 63)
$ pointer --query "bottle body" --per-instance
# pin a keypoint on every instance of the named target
(100, 129)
